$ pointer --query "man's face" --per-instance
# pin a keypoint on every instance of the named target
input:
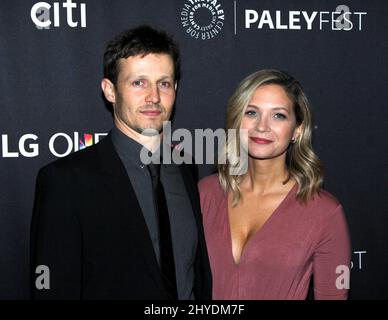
(144, 94)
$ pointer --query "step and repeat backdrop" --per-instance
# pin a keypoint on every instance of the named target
(51, 103)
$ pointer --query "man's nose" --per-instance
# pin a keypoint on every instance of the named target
(153, 95)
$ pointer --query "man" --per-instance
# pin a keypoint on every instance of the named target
(106, 225)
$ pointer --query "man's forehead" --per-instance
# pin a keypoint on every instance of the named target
(147, 65)
(150, 57)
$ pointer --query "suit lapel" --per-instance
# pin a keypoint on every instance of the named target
(119, 188)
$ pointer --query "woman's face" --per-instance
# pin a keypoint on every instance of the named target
(270, 123)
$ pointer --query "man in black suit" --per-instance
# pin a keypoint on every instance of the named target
(99, 222)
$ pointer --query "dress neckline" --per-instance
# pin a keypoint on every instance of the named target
(258, 232)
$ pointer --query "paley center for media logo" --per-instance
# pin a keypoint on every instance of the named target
(44, 15)
(59, 145)
(202, 19)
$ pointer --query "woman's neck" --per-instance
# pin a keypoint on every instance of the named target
(265, 176)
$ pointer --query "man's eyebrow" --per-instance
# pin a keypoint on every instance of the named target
(140, 76)
(166, 77)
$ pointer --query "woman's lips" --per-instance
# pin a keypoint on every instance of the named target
(260, 140)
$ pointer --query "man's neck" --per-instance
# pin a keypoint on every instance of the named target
(151, 142)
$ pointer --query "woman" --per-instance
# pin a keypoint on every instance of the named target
(271, 229)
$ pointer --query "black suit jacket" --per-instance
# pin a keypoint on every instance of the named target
(88, 228)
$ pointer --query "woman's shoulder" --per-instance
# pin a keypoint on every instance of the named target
(322, 213)
(325, 204)
(326, 199)
(210, 188)
(208, 183)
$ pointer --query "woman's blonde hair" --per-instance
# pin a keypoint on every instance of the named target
(302, 163)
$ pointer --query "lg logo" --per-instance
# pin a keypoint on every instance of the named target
(41, 14)
(26, 149)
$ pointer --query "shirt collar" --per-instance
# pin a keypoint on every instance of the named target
(128, 148)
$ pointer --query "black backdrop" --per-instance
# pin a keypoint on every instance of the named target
(50, 95)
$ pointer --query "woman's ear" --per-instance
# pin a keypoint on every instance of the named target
(298, 131)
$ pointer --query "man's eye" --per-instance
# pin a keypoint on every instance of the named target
(165, 84)
(138, 83)
(280, 116)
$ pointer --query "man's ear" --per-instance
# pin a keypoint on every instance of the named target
(109, 90)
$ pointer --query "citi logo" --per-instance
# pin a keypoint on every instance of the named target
(60, 144)
(41, 14)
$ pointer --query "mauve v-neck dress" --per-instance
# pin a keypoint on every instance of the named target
(277, 262)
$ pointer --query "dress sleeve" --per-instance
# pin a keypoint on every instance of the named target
(331, 265)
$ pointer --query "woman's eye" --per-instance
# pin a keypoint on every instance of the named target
(280, 116)
(250, 113)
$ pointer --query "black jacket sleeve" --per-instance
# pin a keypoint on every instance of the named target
(56, 236)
